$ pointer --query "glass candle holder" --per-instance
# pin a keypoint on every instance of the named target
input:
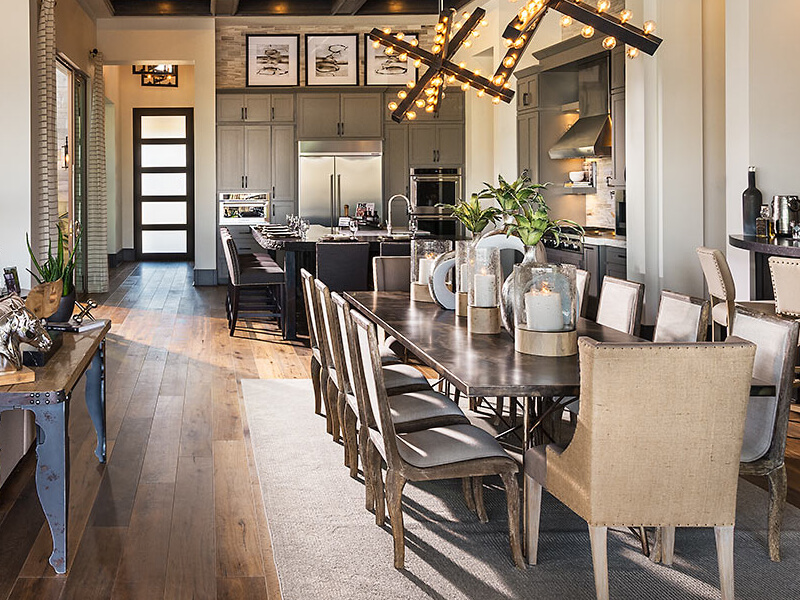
(485, 279)
(462, 276)
(545, 309)
(423, 258)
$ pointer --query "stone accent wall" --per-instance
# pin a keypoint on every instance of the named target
(231, 50)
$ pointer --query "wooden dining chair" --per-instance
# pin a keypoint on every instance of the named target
(447, 452)
(620, 305)
(391, 273)
(671, 462)
(307, 282)
(681, 318)
(764, 446)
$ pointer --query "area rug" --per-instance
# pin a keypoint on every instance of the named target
(327, 546)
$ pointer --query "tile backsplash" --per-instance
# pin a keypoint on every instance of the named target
(600, 208)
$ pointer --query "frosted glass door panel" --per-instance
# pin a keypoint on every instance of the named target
(163, 242)
(163, 155)
(168, 126)
(163, 213)
(163, 184)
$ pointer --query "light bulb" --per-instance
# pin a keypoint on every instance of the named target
(481, 92)
(439, 27)
(402, 94)
(566, 21)
(411, 115)
(477, 71)
(429, 91)
(466, 15)
(387, 30)
(411, 84)
(464, 87)
(509, 60)
(603, 5)
(476, 33)
(415, 42)
(625, 16)
(430, 108)
(402, 57)
(459, 26)
(451, 79)
(392, 105)
(437, 81)
(519, 42)
(609, 42)
(400, 35)
(498, 80)
(467, 43)
(508, 43)
(649, 27)
(496, 100)
(507, 84)
(389, 50)
(417, 63)
(587, 31)
(420, 102)
(462, 65)
(484, 23)
(436, 48)
(523, 15)
(376, 44)
(632, 52)
(438, 39)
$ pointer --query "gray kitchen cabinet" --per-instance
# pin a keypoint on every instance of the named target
(395, 160)
(257, 157)
(452, 108)
(436, 144)
(449, 144)
(616, 262)
(284, 164)
(617, 79)
(282, 108)
(528, 144)
(353, 115)
(230, 157)
(618, 138)
(230, 108)
(422, 138)
(278, 212)
(528, 93)
(255, 108)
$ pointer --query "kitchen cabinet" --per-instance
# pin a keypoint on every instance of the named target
(230, 157)
(528, 144)
(255, 108)
(395, 160)
(452, 108)
(616, 262)
(618, 138)
(353, 115)
(440, 144)
(278, 212)
(528, 93)
(284, 164)
(258, 158)
(617, 79)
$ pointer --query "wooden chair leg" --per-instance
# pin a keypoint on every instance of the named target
(394, 496)
(598, 537)
(324, 384)
(667, 545)
(533, 510)
(777, 501)
(477, 490)
(369, 484)
(316, 368)
(333, 400)
(378, 488)
(724, 539)
(234, 309)
(351, 440)
(456, 395)
(512, 501)
(469, 497)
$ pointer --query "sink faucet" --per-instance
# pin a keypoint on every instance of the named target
(409, 212)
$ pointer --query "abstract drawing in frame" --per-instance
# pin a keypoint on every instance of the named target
(332, 59)
(273, 60)
(384, 69)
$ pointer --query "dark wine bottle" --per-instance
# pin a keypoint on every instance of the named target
(751, 204)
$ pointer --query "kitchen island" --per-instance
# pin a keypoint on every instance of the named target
(762, 249)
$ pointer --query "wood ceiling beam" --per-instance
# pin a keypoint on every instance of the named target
(347, 7)
(224, 7)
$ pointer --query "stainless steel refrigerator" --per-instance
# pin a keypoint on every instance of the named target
(338, 172)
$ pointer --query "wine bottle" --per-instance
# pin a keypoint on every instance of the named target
(751, 204)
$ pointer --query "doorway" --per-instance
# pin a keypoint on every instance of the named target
(163, 183)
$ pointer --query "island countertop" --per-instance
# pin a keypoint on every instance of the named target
(776, 247)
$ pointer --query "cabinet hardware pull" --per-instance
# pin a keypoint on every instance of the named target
(242, 180)
(241, 111)
(526, 99)
(245, 181)
(272, 113)
(245, 113)
(434, 156)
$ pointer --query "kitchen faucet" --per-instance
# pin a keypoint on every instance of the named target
(411, 217)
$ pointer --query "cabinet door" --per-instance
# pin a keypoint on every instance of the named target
(284, 163)
(452, 108)
(618, 138)
(528, 145)
(450, 144)
(395, 160)
(422, 144)
(279, 210)
(618, 68)
(230, 157)
(317, 116)
(361, 115)
(258, 164)
(230, 108)
(283, 108)
(257, 108)
(528, 93)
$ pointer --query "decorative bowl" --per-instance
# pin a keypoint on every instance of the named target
(576, 176)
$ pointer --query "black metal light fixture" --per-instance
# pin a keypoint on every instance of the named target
(451, 36)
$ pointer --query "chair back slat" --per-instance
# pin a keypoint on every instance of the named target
(342, 309)
(620, 305)
(681, 318)
(786, 285)
(333, 341)
(307, 283)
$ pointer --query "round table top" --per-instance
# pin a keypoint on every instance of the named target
(779, 246)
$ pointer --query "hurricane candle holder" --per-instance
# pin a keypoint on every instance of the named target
(545, 309)
(462, 277)
(423, 258)
(485, 278)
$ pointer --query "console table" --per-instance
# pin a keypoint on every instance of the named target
(48, 399)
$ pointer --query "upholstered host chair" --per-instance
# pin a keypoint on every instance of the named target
(391, 273)
(786, 285)
(446, 452)
(768, 417)
(671, 461)
(343, 265)
(620, 305)
(681, 318)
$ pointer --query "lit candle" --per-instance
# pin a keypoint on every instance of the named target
(543, 310)
(463, 277)
(485, 290)
(426, 269)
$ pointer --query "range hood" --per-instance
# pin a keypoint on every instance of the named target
(588, 137)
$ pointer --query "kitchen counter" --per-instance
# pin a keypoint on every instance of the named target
(761, 250)
(605, 239)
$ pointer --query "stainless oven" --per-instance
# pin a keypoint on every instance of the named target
(433, 186)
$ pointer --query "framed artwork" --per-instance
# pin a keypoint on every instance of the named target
(384, 69)
(273, 60)
(332, 59)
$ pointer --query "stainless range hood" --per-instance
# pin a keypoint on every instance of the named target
(588, 137)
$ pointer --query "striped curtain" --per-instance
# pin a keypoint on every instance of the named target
(96, 226)
(47, 152)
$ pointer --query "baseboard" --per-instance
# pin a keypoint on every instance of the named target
(115, 260)
(128, 254)
(204, 277)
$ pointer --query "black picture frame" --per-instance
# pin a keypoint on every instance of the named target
(369, 53)
(330, 78)
(256, 79)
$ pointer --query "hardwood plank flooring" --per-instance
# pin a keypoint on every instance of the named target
(177, 511)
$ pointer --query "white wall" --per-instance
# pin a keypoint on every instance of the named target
(182, 41)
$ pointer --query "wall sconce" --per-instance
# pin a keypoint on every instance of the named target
(65, 154)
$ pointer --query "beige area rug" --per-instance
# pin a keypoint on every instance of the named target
(327, 545)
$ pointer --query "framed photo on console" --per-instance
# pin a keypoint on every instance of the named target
(273, 60)
(387, 69)
(332, 59)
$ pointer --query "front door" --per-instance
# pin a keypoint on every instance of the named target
(163, 183)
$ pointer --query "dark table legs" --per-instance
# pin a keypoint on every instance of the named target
(290, 302)
(96, 399)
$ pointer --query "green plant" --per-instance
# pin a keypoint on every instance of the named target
(56, 267)
(474, 217)
(532, 221)
(513, 196)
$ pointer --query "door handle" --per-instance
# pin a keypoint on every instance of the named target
(241, 111)
(338, 196)
(245, 181)
(242, 181)
(342, 128)
(273, 210)
(434, 156)
(272, 113)
(273, 192)
(245, 113)
(332, 201)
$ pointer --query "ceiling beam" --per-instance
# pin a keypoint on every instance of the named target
(347, 7)
(224, 7)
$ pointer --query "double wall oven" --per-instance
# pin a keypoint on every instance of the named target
(432, 187)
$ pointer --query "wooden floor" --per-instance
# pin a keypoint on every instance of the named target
(177, 512)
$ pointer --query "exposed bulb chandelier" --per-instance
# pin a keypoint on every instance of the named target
(428, 91)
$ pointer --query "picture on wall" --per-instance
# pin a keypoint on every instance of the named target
(332, 59)
(388, 69)
(273, 60)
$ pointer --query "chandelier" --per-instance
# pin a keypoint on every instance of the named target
(442, 70)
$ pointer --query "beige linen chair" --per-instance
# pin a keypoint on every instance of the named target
(391, 273)
(620, 305)
(645, 451)
(785, 274)
(681, 318)
(767, 422)
(454, 451)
